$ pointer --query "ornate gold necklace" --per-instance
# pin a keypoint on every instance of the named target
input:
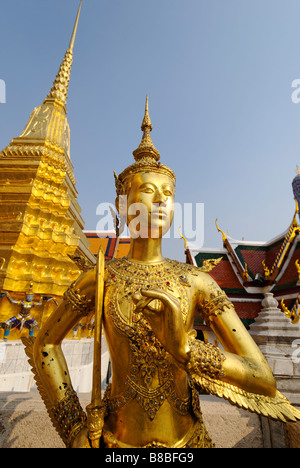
(168, 275)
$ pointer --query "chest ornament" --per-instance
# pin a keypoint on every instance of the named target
(150, 376)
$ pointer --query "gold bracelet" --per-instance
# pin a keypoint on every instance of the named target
(68, 417)
(217, 304)
(205, 359)
(79, 302)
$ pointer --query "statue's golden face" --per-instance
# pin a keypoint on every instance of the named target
(150, 205)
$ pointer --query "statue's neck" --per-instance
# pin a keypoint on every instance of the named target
(145, 250)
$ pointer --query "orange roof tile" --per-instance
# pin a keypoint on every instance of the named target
(108, 243)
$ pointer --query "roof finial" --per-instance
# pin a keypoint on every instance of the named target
(146, 148)
(59, 90)
(220, 230)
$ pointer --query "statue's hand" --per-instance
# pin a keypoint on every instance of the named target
(166, 321)
(82, 439)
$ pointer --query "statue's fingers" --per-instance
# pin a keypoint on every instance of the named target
(163, 296)
(142, 303)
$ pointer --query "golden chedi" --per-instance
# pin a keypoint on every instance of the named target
(40, 221)
(146, 305)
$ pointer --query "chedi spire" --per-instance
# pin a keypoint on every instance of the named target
(43, 227)
(59, 90)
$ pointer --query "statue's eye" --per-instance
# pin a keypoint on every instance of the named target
(147, 190)
(168, 193)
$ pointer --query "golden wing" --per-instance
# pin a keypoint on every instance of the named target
(58, 418)
(277, 407)
(28, 344)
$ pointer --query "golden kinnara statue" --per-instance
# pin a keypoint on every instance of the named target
(146, 305)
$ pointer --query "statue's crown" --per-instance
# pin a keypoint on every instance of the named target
(146, 157)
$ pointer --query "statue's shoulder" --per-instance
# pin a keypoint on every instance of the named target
(207, 267)
(113, 263)
(189, 274)
(186, 268)
(112, 267)
(186, 273)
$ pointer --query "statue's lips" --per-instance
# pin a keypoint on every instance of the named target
(160, 214)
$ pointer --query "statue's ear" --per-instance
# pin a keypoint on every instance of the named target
(121, 205)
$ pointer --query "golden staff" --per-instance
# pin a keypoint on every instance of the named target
(96, 410)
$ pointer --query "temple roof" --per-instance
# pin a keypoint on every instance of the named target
(113, 247)
(249, 269)
(244, 263)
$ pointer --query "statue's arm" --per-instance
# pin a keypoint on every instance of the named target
(243, 364)
(48, 361)
(38, 304)
(239, 373)
(11, 300)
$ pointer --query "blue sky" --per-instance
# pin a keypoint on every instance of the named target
(218, 74)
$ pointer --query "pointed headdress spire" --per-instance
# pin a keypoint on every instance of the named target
(59, 90)
(146, 148)
(146, 121)
(146, 157)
